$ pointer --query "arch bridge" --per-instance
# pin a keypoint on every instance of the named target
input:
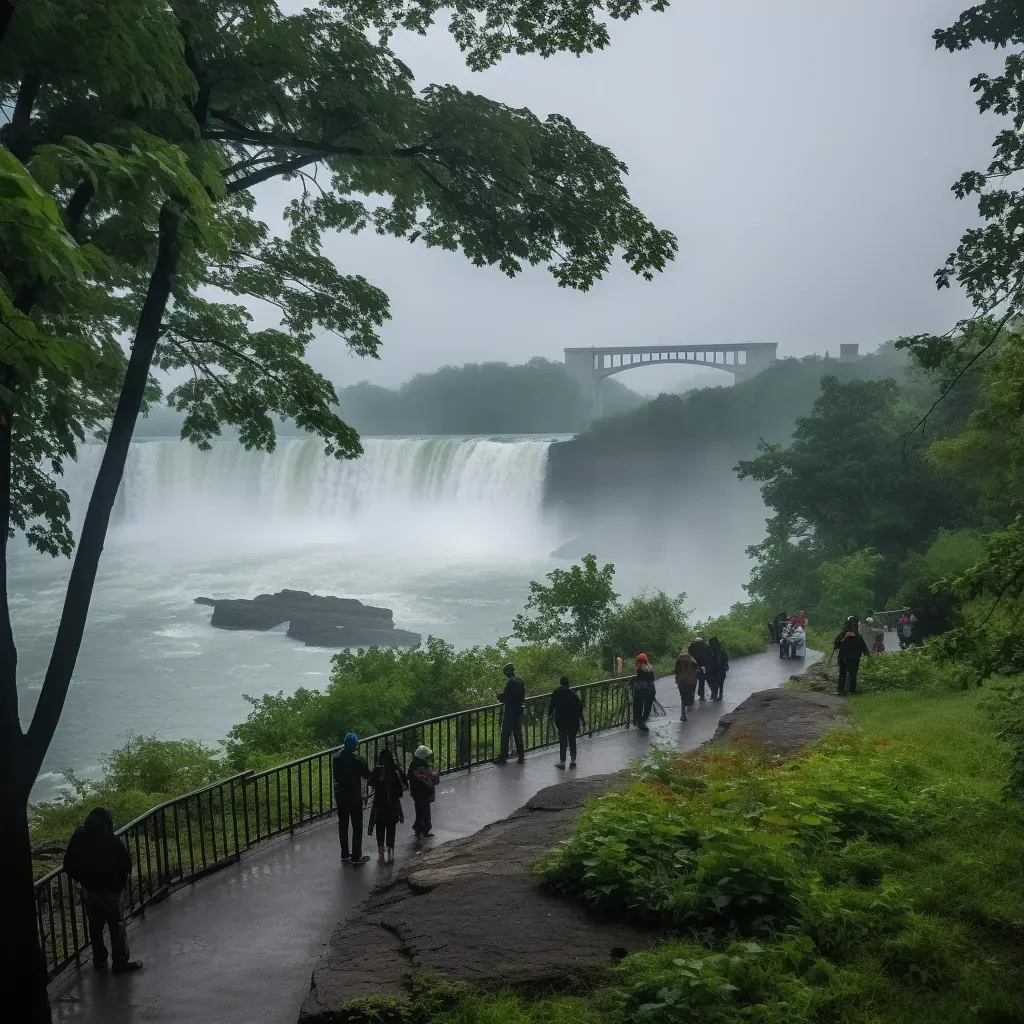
(589, 366)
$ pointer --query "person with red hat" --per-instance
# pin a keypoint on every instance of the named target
(643, 692)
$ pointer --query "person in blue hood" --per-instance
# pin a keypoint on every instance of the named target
(349, 770)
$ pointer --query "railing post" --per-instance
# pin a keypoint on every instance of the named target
(291, 825)
(245, 806)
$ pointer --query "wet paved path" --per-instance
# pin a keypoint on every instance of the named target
(238, 946)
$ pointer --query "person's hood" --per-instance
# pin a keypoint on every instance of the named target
(99, 819)
(351, 742)
(509, 670)
(423, 753)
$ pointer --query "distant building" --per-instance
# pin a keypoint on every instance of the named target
(847, 353)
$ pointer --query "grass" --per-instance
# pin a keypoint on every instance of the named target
(875, 879)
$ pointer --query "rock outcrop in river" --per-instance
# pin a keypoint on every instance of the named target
(334, 622)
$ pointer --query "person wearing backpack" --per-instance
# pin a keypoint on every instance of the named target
(700, 651)
(719, 667)
(850, 648)
(566, 709)
(423, 782)
(686, 681)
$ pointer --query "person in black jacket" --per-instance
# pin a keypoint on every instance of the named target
(644, 692)
(388, 782)
(700, 651)
(566, 708)
(719, 667)
(101, 864)
(511, 700)
(850, 646)
(423, 782)
(349, 770)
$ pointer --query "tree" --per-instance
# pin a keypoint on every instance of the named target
(146, 123)
(847, 587)
(650, 622)
(571, 609)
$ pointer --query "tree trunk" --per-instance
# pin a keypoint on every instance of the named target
(23, 966)
(6, 13)
(68, 641)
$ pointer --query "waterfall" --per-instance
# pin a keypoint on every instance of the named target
(420, 486)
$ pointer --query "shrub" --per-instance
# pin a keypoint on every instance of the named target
(649, 622)
(914, 669)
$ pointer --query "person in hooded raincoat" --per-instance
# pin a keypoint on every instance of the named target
(349, 770)
(719, 667)
(566, 709)
(98, 860)
(700, 651)
(423, 782)
(388, 782)
(644, 692)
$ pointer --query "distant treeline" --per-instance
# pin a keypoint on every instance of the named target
(478, 398)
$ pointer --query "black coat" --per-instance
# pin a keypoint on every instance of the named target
(643, 684)
(348, 769)
(419, 788)
(700, 651)
(387, 787)
(851, 646)
(566, 708)
(95, 857)
(513, 696)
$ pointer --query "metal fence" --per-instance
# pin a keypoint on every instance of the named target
(190, 836)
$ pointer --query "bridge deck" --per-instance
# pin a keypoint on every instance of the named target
(238, 947)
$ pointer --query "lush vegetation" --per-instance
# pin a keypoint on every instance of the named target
(876, 877)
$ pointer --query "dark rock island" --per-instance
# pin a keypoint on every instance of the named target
(334, 622)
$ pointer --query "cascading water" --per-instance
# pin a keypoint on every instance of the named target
(469, 495)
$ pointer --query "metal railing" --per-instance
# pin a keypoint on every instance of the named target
(183, 839)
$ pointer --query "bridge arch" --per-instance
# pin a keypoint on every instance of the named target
(589, 366)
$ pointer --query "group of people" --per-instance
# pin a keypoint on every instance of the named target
(702, 665)
(388, 781)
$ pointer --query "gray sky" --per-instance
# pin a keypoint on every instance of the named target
(801, 151)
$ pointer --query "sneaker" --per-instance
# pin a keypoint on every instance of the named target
(521, 760)
(560, 764)
(390, 856)
(100, 965)
(127, 967)
(501, 760)
(346, 856)
(360, 860)
(572, 764)
(643, 727)
(428, 835)
(380, 853)
(700, 698)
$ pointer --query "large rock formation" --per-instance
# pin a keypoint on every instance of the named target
(333, 622)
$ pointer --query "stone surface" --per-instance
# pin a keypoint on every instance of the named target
(783, 721)
(472, 911)
(316, 621)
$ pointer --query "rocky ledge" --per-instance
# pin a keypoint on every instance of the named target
(472, 911)
(333, 622)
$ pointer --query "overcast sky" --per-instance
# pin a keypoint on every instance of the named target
(802, 152)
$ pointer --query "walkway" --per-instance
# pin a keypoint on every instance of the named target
(238, 947)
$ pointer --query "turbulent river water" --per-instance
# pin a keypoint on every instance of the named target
(448, 532)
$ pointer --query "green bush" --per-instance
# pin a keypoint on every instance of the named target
(743, 631)
(914, 669)
(649, 622)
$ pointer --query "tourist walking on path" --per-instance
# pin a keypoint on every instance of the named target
(388, 782)
(719, 667)
(349, 770)
(101, 864)
(686, 680)
(850, 646)
(566, 708)
(879, 645)
(423, 782)
(644, 692)
(700, 651)
(511, 700)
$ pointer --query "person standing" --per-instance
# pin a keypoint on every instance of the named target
(719, 667)
(511, 700)
(644, 692)
(423, 782)
(349, 769)
(686, 680)
(566, 708)
(101, 864)
(388, 783)
(850, 646)
(700, 651)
